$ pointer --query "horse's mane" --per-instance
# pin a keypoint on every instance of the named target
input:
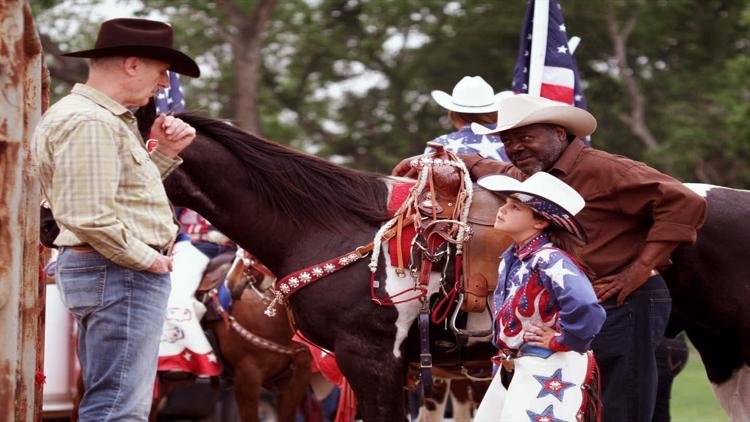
(302, 187)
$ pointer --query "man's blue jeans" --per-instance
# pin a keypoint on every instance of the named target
(624, 350)
(120, 313)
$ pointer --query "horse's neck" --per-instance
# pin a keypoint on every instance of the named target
(233, 208)
(278, 226)
(219, 194)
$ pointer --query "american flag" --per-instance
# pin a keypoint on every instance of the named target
(559, 73)
(556, 214)
(170, 100)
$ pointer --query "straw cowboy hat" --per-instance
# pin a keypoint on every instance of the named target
(470, 95)
(140, 38)
(524, 109)
(549, 196)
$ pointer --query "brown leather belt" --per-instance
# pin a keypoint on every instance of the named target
(87, 248)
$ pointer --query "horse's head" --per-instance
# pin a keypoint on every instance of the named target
(239, 272)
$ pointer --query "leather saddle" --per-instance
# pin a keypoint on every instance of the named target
(482, 252)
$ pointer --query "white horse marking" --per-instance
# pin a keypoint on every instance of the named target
(700, 188)
(408, 311)
(731, 397)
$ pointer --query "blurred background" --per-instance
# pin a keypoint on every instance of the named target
(349, 80)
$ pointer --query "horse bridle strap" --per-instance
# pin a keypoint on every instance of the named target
(247, 335)
(288, 285)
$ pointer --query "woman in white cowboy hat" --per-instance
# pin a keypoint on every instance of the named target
(473, 101)
(545, 311)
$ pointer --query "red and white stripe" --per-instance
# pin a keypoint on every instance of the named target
(558, 83)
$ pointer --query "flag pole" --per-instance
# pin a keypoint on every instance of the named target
(538, 46)
(573, 44)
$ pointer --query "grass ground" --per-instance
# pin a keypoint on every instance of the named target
(693, 399)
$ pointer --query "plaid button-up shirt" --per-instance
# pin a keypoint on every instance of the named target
(102, 185)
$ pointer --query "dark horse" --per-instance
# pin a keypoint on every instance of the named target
(293, 210)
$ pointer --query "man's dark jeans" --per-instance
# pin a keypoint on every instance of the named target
(671, 358)
(624, 350)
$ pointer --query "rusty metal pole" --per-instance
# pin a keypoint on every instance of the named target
(23, 83)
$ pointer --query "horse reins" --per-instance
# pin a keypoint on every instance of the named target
(247, 335)
(247, 262)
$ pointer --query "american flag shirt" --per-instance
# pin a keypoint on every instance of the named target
(540, 283)
(465, 141)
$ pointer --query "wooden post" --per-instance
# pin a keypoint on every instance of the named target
(23, 96)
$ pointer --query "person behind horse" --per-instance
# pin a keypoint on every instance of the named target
(545, 310)
(635, 217)
(116, 225)
(472, 101)
(202, 234)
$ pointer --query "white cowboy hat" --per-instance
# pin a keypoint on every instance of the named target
(549, 196)
(524, 109)
(470, 95)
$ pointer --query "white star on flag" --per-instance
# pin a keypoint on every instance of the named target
(562, 49)
(187, 355)
(558, 272)
(487, 149)
(455, 144)
(211, 357)
(561, 27)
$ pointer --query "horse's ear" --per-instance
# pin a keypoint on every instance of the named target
(146, 116)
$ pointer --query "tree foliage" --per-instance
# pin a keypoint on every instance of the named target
(350, 79)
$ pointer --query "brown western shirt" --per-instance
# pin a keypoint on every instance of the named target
(627, 204)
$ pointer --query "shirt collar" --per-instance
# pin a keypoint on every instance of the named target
(568, 158)
(466, 129)
(531, 246)
(102, 100)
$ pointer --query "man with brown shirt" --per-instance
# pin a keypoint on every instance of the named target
(635, 217)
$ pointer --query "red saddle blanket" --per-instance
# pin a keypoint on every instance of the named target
(399, 193)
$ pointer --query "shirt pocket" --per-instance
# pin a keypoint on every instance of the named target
(82, 288)
(144, 169)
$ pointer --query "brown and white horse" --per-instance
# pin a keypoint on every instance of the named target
(283, 368)
(295, 210)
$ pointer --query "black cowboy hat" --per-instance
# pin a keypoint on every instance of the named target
(140, 38)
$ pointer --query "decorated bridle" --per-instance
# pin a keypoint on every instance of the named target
(240, 277)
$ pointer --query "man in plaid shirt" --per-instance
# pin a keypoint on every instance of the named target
(116, 226)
